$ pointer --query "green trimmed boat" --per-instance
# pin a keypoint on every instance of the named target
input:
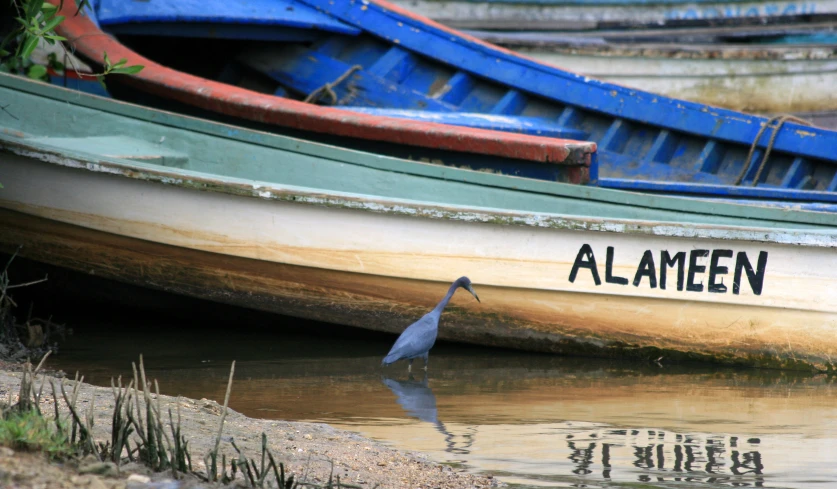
(315, 231)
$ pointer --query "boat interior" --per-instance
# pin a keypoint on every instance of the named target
(685, 148)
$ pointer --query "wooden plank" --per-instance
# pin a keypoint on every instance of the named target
(306, 71)
(615, 137)
(832, 187)
(456, 89)
(795, 176)
(395, 65)
(330, 46)
(662, 148)
(524, 125)
(710, 157)
(512, 103)
(570, 117)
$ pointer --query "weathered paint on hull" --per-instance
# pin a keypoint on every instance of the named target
(738, 83)
(555, 322)
(379, 271)
(579, 15)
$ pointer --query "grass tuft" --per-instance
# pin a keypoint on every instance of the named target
(30, 431)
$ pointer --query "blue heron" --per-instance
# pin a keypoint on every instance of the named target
(419, 337)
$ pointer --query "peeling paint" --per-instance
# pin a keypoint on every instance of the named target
(424, 210)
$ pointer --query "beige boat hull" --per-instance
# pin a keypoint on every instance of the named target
(799, 83)
(381, 271)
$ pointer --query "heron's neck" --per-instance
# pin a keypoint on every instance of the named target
(441, 305)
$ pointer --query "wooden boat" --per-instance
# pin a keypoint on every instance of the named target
(387, 64)
(316, 231)
(748, 76)
(513, 15)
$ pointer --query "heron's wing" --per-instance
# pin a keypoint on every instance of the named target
(418, 338)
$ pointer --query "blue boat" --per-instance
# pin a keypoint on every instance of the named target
(373, 58)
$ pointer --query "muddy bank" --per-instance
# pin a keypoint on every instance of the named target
(312, 452)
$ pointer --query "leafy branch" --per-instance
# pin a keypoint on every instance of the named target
(119, 67)
(36, 22)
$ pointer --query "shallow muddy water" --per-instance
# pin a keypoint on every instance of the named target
(528, 419)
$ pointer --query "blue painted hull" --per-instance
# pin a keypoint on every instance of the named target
(378, 59)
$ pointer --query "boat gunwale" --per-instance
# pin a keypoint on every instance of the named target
(189, 179)
(89, 40)
(396, 165)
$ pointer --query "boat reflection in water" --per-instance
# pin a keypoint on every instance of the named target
(574, 422)
(669, 457)
(591, 450)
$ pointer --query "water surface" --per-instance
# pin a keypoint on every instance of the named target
(533, 420)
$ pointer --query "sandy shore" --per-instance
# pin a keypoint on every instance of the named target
(310, 451)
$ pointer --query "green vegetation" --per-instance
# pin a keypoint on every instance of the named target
(34, 25)
(139, 433)
(30, 431)
(27, 24)
(36, 21)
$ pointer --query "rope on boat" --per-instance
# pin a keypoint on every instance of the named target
(328, 88)
(779, 120)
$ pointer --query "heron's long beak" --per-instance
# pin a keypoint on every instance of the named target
(471, 290)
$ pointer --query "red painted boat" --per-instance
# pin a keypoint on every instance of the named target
(90, 42)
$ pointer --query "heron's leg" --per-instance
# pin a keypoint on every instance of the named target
(410, 365)
(426, 360)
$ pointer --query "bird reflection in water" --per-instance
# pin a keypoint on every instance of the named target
(418, 400)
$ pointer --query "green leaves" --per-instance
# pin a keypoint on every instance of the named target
(128, 70)
(37, 72)
(28, 47)
(120, 68)
(37, 20)
(32, 7)
(52, 24)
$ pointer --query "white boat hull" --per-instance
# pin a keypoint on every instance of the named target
(751, 85)
(571, 15)
(378, 265)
